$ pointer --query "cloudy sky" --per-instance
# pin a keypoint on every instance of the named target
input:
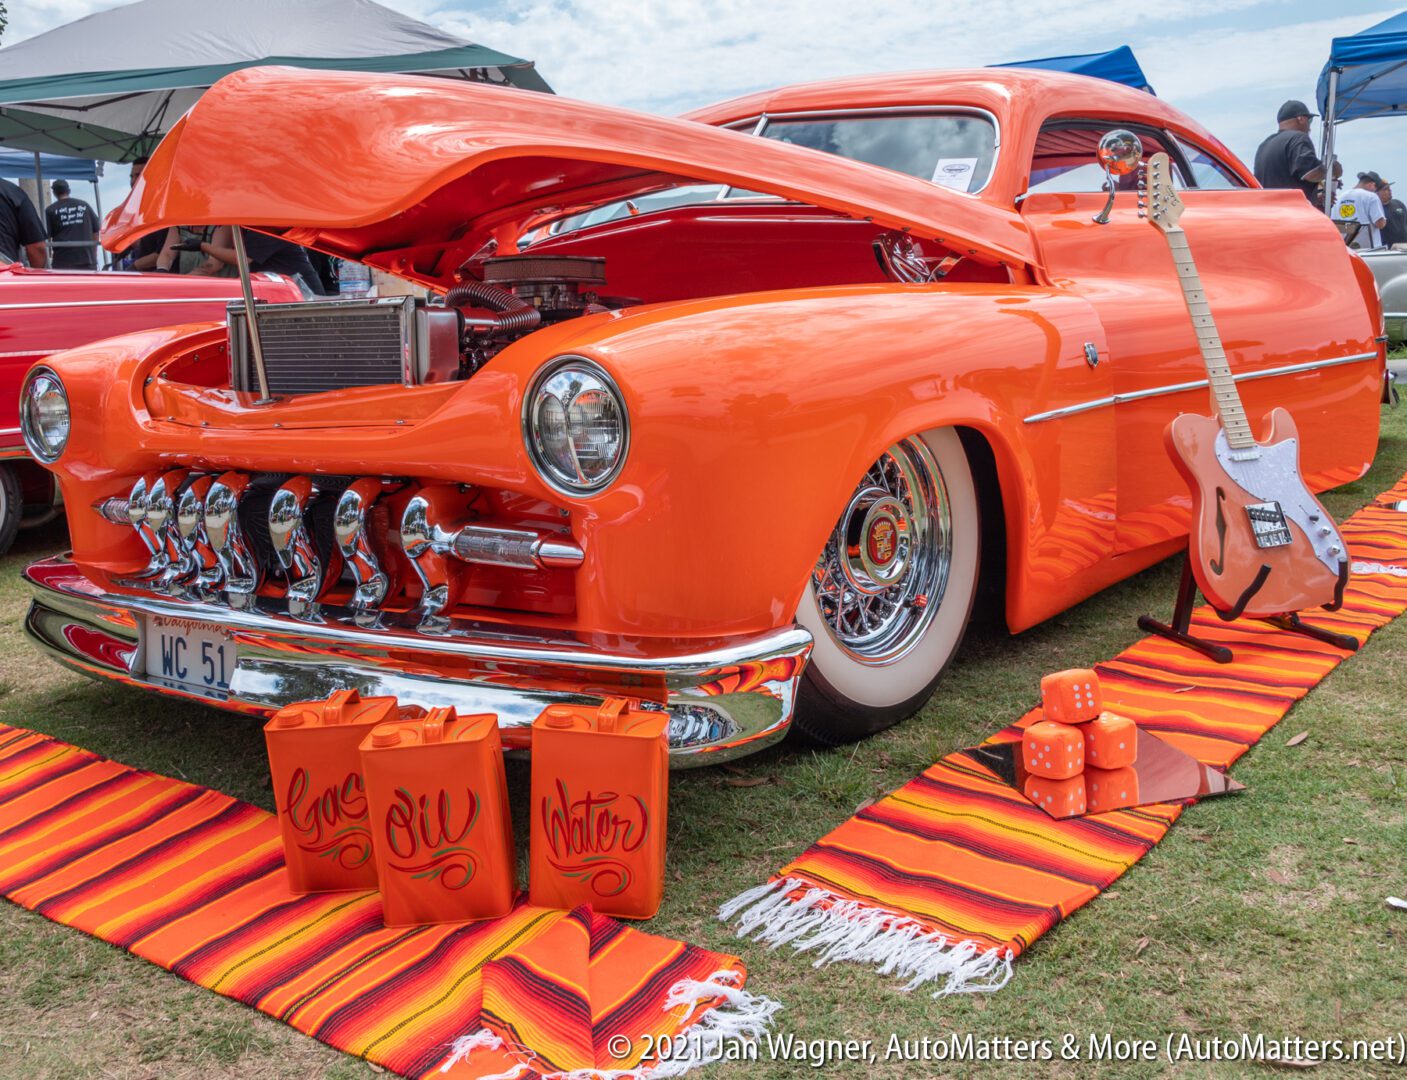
(1229, 63)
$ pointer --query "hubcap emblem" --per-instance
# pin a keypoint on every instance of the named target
(881, 541)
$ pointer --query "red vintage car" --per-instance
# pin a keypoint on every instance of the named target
(731, 414)
(47, 311)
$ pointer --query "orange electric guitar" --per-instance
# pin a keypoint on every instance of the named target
(1260, 544)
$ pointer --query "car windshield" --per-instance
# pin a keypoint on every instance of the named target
(952, 149)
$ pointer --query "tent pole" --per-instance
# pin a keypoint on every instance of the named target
(251, 318)
(1328, 154)
(39, 199)
(98, 209)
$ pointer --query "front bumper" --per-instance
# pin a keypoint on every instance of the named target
(723, 702)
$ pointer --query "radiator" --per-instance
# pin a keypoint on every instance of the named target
(336, 344)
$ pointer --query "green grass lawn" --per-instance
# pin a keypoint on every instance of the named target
(1259, 913)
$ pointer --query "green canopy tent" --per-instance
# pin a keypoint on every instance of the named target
(110, 85)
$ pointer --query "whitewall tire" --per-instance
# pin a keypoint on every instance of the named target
(890, 596)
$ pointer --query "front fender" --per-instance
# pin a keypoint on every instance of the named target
(754, 417)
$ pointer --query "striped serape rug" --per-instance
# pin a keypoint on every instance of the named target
(193, 880)
(949, 878)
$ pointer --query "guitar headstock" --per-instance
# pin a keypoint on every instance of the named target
(1159, 203)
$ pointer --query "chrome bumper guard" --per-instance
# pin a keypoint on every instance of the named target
(723, 703)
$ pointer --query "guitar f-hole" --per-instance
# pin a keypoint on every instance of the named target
(1218, 565)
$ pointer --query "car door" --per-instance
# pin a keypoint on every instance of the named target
(1124, 269)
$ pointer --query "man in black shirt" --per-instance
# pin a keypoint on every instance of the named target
(20, 227)
(1395, 226)
(72, 220)
(1287, 158)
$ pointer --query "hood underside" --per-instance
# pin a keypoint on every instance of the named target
(416, 174)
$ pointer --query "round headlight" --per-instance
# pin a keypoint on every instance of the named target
(575, 426)
(44, 415)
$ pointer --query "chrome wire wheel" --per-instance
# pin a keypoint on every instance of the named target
(882, 575)
(889, 598)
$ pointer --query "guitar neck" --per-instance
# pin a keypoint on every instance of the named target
(1225, 397)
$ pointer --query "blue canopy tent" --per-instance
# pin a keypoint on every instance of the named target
(23, 165)
(1366, 75)
(17, 163)
(1117, 65)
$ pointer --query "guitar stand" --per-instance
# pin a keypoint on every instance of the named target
(1182, 621)
(1291, 622)
(1294, 625)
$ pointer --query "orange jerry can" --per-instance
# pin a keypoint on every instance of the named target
(600, 795)
(316, 768)
(438, 803)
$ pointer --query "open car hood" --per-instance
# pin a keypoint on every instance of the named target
(415, 174)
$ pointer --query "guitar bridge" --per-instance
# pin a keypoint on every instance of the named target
(1268, 525)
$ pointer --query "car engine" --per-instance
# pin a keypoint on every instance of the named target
(519, 293)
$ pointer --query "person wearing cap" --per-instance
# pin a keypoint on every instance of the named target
(72, 221)
(1395, 231)
(1287, 159)
(1358, 212)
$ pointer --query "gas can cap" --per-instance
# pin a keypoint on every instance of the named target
(560, 716)
(290, 718)
(385, 736)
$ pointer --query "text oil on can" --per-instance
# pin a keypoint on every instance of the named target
(438, 803)
(315, 763)
(600, 794)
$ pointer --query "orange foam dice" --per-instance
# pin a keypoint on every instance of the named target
(1110, 789)
(1053, 750)
(1111, 741)
(1058, 798)
(1071, 697)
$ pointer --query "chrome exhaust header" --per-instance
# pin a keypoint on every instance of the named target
(349, 528)
(240, 572)
(294, 548)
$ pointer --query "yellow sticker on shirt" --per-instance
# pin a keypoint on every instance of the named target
(1346, 211)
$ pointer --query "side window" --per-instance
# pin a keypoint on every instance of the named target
(1207, 172)
(1064, 159)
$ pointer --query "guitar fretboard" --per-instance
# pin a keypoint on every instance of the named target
(1225, 396)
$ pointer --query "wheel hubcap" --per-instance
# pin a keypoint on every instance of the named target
(880, 580)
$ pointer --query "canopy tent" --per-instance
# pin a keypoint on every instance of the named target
(1117, 65)
(61, 93)
(21, 163)
(1366, 75)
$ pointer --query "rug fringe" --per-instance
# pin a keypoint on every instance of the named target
(740, 1016)
(483, 1039)
(847, 930)
(1379, 568)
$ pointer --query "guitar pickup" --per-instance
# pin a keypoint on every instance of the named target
(1268, 525)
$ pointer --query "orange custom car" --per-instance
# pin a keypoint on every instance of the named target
(730, 413)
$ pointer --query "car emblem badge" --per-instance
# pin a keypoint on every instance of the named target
(881, 541)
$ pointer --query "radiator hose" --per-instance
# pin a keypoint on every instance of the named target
(512, 313)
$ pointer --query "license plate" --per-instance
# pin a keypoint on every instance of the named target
(189, 655)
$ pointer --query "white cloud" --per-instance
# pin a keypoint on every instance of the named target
(669, 55)
(30, 17)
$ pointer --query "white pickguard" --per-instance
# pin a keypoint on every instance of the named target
(1274, 476)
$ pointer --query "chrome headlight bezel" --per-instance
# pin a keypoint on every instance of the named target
(574, 486)
(41, 381)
